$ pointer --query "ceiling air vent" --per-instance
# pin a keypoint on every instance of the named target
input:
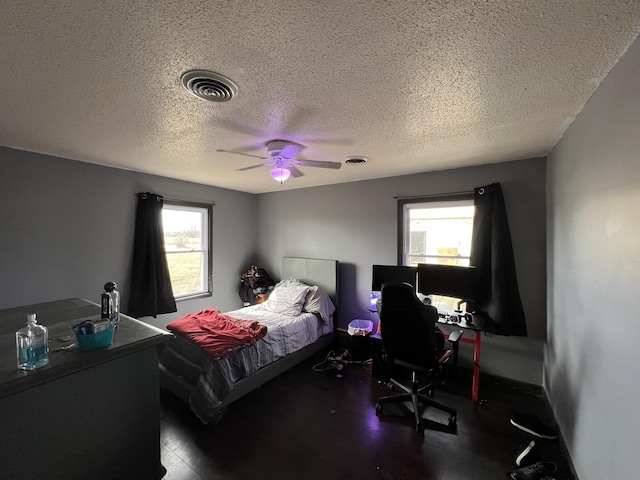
(209, 85)
(356, 160)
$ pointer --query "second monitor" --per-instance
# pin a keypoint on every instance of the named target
(448, 280)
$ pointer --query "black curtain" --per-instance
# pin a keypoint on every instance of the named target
(498, 296)
(151, 293)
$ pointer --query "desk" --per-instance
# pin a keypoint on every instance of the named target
(477, 326)
(93, 414)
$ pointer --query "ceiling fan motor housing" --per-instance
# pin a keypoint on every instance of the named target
(283, 148)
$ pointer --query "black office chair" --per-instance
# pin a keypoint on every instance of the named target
(408, 331)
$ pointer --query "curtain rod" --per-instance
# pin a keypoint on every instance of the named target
(434, 195)
(169, 199)
(179, 200)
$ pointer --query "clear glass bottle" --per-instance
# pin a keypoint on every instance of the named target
(32, 345)
(111, 303)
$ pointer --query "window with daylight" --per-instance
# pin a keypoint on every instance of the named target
(436, 231)
(187, 241)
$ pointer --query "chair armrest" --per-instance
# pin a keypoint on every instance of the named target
(454, 336)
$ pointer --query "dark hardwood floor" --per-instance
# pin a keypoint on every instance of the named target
(312, 425)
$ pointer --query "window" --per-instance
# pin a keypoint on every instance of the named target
(435, 231)
(187, 241)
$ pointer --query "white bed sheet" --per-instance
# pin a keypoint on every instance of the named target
(285, 335)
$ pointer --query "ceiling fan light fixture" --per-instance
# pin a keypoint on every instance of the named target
(280, 174)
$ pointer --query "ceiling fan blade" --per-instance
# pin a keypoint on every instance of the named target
(295, 173)
(251, 167)
(241, 153)
(317, 163)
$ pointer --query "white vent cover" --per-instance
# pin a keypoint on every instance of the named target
(209, 85)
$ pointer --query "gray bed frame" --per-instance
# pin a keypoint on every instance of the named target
(311, 271)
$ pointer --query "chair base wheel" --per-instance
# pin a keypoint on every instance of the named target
(453, 420)
(378, 409)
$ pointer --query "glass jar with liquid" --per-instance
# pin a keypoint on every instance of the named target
(32, 345)
(111, 303)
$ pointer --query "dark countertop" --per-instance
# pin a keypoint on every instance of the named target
(130, 336)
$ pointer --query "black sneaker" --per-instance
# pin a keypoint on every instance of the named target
(531, 424)
(534, 472)
(525, 455)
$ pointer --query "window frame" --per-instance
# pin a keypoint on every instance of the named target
(207, 244)
(404, 222)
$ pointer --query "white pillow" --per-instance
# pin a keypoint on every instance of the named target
(287, 299)
(285, 282)
(319, 301)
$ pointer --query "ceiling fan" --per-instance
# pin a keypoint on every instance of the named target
(282, 157)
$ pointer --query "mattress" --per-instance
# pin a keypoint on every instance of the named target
(212, 381)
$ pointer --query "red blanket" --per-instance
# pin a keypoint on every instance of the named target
(218, 334)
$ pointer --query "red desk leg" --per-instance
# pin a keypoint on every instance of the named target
(475, 387)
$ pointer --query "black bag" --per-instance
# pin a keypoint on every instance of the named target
(254, 281)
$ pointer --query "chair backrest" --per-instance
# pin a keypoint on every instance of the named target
(407, 326)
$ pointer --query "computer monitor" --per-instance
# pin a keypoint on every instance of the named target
(448, 280)
(382, 274)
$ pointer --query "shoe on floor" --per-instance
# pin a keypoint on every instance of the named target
(533, 472)
(525, 455)
(532, 424)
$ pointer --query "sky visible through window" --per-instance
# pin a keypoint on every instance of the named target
(176, 221)
(185, 241)
(439, 233)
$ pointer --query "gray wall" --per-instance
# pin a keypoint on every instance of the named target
(356, 223)
(67, 228)
(592, 357)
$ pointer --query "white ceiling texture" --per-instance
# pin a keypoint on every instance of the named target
(414, 85)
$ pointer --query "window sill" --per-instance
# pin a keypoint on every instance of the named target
(194, 296)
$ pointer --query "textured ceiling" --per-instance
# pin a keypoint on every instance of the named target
(415, 86)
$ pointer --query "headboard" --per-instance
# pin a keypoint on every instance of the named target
(313, 271)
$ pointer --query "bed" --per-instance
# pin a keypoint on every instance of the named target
(210, 385)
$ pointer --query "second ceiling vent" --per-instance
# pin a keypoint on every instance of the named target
(356, 160)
